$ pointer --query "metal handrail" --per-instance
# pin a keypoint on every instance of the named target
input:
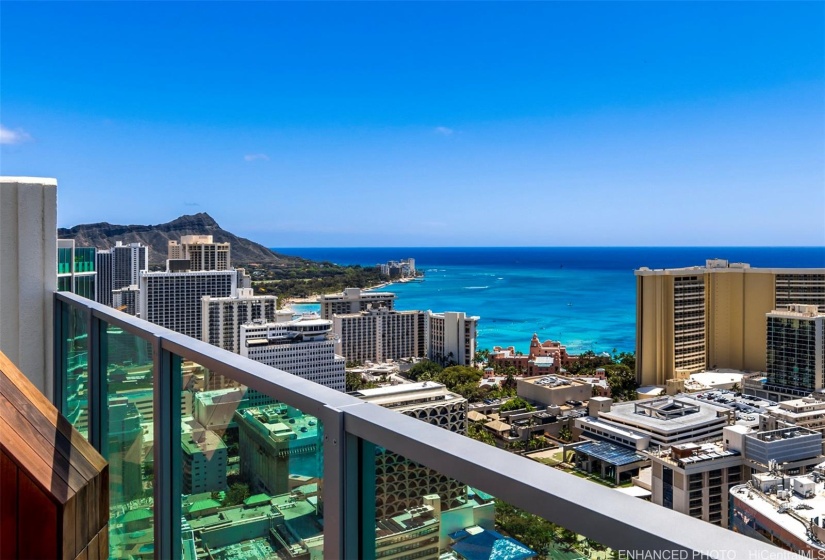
(612, 518)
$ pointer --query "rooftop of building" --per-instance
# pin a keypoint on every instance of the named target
(413, 518)
(686, 454)
(281, 422)
(666, 415)
(553, 381)
(406, 390)
(783, 434)
(597, 423)
(797, 311)
(356, 293)
(794, 503)
(197, 439)
(721, 266)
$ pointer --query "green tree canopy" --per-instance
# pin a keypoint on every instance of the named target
(454, 376)
(432, 369)
(516, 404)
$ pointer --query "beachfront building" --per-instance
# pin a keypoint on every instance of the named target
(304, 347)
(452, 337)
(222, 317)
(380, 334)
(353, 300)
(202, 252)
(707, 317)
(398, 269)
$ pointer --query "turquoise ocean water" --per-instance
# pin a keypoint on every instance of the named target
(584, 297)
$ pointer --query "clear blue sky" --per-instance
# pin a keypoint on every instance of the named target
(426, 124)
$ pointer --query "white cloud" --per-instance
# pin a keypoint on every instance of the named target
(443, 130)
(17, 136)
(253, 157)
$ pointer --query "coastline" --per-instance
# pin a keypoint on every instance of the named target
(314, 298)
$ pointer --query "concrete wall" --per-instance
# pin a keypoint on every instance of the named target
(28, 275)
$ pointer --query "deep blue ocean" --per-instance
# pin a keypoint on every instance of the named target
(583, 296)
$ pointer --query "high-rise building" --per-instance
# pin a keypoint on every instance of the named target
(713, 316)
(202, 252)
(127, 300)
(103, 284)
(223, 317)
(353, 300)
(430, 402)
(173, 299)
(796, 348)
(76, 268)
(127, 263)
(304, 347)
(377, 335)
(452, 337)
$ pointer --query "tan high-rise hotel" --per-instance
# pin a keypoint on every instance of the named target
(713, 316)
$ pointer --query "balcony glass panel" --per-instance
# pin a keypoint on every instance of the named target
(127, 443)
(421, 513)
(75, 368)
(251, 472)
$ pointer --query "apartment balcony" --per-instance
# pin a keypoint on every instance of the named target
(314, 492)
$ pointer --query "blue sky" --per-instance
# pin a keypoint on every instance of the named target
(426, 124)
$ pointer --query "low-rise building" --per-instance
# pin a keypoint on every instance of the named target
(550, 390)
(782, 510)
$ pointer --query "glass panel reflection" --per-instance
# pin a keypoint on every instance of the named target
(423, 514)
(75, 405)
(128, 443)
(251, 472)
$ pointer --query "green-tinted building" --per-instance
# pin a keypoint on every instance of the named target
(76, 268)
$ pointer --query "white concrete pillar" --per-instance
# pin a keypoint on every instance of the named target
(28, 275)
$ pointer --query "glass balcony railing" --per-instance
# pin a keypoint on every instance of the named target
(212, 455)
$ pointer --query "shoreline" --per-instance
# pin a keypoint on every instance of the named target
(314, 298)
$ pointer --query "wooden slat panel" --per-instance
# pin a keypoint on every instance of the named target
(94, 550)
(71, 545)
(103, 542)
(51, 435)
(36, 521)
(41, 403)
(37, 467)
(8, 507)
(59, 464)
(81, 521)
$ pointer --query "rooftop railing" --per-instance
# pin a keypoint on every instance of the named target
(332, 466)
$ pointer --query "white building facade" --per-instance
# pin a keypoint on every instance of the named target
(304, 347)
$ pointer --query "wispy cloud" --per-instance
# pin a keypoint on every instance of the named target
(253, 157)
(191, 204)
(443, 131)
(16, 136)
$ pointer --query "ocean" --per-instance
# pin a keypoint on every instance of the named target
(584, 297)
